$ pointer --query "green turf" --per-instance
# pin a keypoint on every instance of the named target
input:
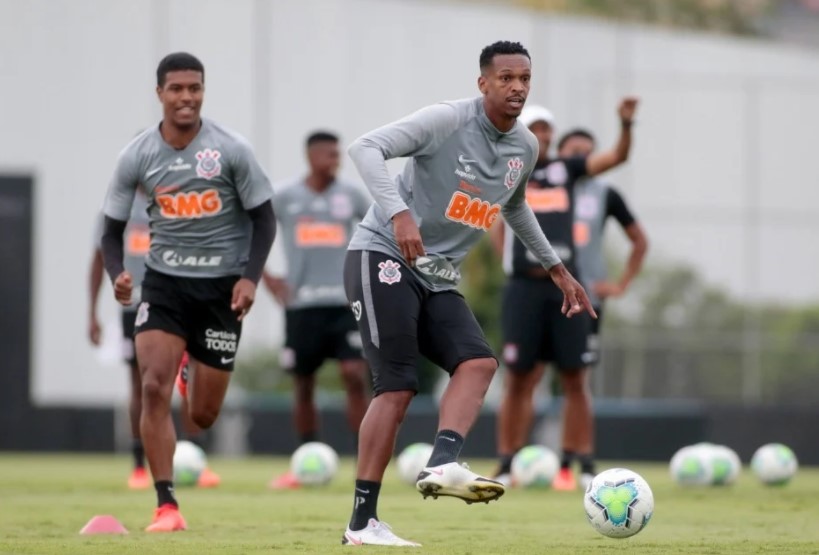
(45, 500)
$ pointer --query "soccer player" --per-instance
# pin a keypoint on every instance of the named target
(212, 225)
(317, 215)
(469, 161)
(595, 202)
(534, 330)
(136, 246)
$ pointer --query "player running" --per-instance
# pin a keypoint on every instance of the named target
(136, 246)
(467, 162)
(534, 330)
(595, 202)
(212, 225)
(317, 215)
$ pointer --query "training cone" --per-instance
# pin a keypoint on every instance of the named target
(103, 524)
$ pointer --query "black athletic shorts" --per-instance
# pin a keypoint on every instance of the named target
(128, 351)
(196, 309)
(318, 333)
(535, 330)
(399, 319)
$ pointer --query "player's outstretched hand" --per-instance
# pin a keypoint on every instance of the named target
(575, 300)
(627, 108)
(408, 236)
(123, 286)
(244, 293)
(94, 330)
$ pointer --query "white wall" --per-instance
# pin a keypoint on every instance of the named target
(720, 173)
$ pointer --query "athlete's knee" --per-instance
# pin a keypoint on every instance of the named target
(204, 417)
(484, 366)
(395, 402)
(153, 391)
(520, 384)
(574, 383)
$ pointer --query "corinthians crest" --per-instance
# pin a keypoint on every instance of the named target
(208, 166)
(515, 166)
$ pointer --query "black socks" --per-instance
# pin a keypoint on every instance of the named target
(365, 503)
(164, 493)
(446, 449)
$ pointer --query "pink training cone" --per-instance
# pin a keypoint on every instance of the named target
(103, 524)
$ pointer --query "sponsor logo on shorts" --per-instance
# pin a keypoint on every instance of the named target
(513, 174)
(356, 307)
(174, 260)
(192, 205)
(142, 314)
(390, 272)
(223, 341)
(473, 212)
(208, 166)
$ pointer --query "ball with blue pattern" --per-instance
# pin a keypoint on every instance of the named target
(619, 503)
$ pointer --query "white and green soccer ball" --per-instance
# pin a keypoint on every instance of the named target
(774, 464)
(314, 463)
(619, 503)
(692, 465)
(189, 460)
(725, 465)
(412, 461)
(534, 466)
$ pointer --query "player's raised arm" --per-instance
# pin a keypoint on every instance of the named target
(117, 208)
(602, 161)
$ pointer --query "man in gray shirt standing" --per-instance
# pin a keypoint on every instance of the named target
(317, 215)
(469, 161)
(212, 226)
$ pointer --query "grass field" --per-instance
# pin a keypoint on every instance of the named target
(45, 500)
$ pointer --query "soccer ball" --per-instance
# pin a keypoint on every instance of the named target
(618, 503)
(725, 465)
(189, 461)
(692, 465)
(534, 466)
(412, 461)
(314, 463)
(774, 464)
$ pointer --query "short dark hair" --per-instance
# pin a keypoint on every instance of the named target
(178, 61)
(500, 48)
(571, 134)
(321, 137)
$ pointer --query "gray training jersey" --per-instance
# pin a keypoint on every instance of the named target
(198, 199)
(463, 172)
(137, 243)
(316, 229)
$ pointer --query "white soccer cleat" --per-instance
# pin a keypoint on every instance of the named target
(376, 533)
(456, 480)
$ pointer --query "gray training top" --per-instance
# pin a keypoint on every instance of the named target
(462, 174)
(316, 228)
(199, 197)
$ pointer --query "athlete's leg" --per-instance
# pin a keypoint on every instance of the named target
(305, 413)
(207, 387)
(517, 410)
(354, 377)
(158, 353)
(378, 432)
(578, 418)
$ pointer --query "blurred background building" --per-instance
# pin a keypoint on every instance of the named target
(727, 311)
